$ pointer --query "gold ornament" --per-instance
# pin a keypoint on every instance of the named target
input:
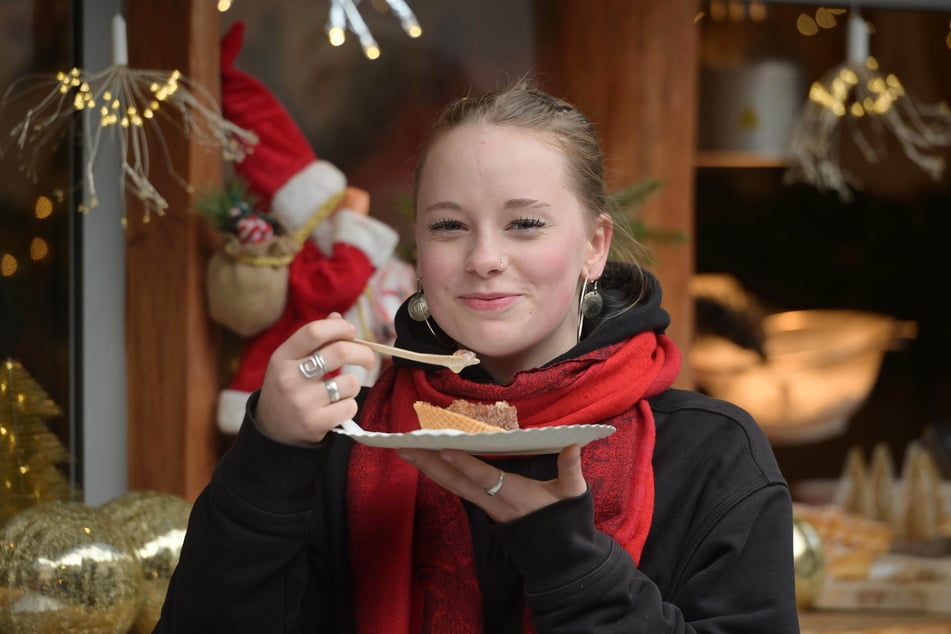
(66, 567)
(809, 562)
(156, 523)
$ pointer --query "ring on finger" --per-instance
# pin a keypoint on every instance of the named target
(332, 390)
(495, 488)
(313, 366)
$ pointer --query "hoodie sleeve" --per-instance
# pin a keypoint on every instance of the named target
(245, 550)
(737, 579)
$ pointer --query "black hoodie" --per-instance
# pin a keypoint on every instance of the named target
(266, 547)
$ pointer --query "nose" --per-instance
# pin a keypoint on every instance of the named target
(486, 258)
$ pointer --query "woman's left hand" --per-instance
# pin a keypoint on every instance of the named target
(473, 479)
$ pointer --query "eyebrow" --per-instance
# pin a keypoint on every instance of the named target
(524, 203)
(515, 203)
(443, 204)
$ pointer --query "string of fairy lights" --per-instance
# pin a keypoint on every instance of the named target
(854, 102)
(857, 101)
(344, 16)
(116, 104)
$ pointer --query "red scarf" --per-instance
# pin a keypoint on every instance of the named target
(410, 546)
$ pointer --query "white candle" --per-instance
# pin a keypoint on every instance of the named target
(857, 39)
(120, 50)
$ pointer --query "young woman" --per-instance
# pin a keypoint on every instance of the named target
(680, 521)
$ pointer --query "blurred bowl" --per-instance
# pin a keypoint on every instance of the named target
(820, 367)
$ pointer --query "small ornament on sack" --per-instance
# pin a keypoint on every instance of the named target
(252, 228)
(247, 277)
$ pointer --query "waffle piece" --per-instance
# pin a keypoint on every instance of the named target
(498, 414)
(433, 417)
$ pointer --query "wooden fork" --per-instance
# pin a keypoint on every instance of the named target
(455, 362)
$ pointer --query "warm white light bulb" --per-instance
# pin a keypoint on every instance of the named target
(336, 36)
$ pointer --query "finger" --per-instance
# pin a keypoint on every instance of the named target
(457, 472)
(339, 388)
(345, 352)
(570, 476)
(502, 495)
(313, 336)
(325, 359)
(300, 410)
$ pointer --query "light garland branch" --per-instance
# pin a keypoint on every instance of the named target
(857, 100)
(118, 103)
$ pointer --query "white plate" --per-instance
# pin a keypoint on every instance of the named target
(537, 440)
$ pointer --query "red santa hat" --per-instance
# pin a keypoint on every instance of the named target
(283, 171)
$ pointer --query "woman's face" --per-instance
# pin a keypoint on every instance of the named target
(503, 245)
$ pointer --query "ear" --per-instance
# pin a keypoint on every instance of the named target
(599, 247)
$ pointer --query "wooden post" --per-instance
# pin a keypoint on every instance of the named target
(172, 346)
(632, 68)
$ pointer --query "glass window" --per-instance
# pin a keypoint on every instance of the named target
(37, 248)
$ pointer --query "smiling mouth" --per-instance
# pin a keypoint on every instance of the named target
(488, 302)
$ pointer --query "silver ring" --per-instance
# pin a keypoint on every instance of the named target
(332, 390)
(313, 366)
(495, 488)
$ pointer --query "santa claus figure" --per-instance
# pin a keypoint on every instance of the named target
(346, 261)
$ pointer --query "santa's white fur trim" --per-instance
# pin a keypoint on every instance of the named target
(303, 194)
(231, 407)
(376, 239)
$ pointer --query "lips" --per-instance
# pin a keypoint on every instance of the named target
(488, 301)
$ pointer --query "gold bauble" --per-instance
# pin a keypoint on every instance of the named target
(156, 523)
(809, 562)
(64, 568)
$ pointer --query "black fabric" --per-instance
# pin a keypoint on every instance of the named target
(499, 578)
(266, 546)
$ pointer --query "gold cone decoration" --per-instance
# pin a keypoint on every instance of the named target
(30, 454)
(853, 493)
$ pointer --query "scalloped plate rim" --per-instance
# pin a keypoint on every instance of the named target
(536, 440)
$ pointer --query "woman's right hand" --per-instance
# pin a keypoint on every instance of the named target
(295, 409)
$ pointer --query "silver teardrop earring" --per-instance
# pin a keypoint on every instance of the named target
(591, 301)
(589, 304)
(418, 307)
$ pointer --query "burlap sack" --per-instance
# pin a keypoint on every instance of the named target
(247, 284)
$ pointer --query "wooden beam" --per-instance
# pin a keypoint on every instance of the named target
(632, 67)
(171, 345)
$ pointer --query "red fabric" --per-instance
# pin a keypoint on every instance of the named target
(317, 286)
(411, 551)
(282, 150)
